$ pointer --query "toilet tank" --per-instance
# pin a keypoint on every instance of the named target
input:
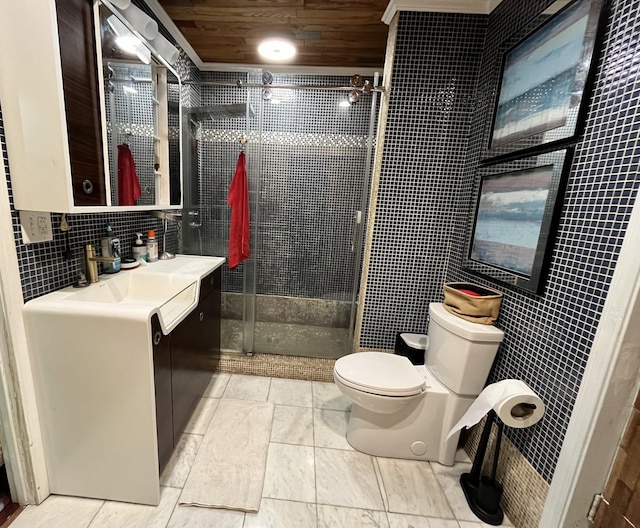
(460, 353)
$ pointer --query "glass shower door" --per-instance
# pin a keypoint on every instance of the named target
(310, 196)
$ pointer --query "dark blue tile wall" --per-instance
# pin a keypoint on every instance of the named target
(548, 337)
(311, 166)
(426, 141)
(423, 214)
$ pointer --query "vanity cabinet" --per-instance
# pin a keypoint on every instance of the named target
(183, 364)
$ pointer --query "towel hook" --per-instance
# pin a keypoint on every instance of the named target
(243, 142)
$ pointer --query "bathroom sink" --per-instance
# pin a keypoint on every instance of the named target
(168, 288)
(134, 287)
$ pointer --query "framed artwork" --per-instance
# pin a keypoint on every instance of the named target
(544, 80)
(515, 218)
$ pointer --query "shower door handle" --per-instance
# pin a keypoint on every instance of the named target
(357, 222)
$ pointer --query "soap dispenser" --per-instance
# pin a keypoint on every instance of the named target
(110, 245)
(139, 250)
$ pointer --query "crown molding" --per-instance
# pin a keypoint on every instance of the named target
(476, 7)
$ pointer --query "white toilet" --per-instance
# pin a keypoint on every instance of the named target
(404, 411)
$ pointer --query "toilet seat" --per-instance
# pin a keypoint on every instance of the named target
(379, 373)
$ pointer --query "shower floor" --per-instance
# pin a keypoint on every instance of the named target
(288, 339)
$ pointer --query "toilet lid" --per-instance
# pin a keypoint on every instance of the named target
(380, 373)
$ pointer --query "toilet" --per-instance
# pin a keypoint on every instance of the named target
(400, 410)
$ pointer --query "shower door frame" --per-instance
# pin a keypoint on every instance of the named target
(251, 270)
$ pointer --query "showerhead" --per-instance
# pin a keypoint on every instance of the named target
(218, 112)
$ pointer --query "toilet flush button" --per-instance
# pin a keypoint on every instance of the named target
(418, 448)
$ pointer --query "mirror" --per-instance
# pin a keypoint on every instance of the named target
(141, 117)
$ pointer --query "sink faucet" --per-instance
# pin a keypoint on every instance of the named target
(91, 260)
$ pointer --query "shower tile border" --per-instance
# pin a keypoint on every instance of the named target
(275, 366)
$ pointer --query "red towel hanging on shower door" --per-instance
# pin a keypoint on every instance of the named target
(128, 185)
(238, 199)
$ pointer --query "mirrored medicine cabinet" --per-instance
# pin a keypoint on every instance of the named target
(78, 97)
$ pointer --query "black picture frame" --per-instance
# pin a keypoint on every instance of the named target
(515, 219)
(546, 79)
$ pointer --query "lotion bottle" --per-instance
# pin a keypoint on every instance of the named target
(152, 246)
(139, 250)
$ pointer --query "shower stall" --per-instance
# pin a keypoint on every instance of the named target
(308, 153)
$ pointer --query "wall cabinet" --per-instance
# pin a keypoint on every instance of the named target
(183, 364)
(52, 91)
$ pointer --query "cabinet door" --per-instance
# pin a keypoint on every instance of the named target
(195, 346)
(164, 397)
(82, 100)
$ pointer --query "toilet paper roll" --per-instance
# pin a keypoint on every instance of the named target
(512, 400)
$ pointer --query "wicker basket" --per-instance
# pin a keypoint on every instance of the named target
(472, 302)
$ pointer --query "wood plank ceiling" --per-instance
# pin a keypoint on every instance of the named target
(345, 33)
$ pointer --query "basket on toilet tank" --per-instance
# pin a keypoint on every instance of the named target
(472, 302)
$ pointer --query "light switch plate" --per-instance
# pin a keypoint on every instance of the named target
(36, 227)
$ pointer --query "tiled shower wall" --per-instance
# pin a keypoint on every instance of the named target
(421, 218)
(311, 169)
(431, 102)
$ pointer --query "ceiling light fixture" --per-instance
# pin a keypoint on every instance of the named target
(277, 50)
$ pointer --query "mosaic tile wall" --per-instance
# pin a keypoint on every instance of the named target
(310, 163)
(431, 102)
(548, 337)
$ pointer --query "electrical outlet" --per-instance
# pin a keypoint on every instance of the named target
(36, 227)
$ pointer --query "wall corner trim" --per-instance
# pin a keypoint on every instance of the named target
(475, 7)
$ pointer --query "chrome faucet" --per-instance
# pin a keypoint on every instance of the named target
(91, 260)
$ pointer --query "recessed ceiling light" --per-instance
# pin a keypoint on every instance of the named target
(277, 50)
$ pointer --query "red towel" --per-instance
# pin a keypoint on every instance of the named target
(238, 199)
(128, 185)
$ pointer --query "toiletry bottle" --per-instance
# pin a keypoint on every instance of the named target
(139, 250)
(152, 246)
(111, 248)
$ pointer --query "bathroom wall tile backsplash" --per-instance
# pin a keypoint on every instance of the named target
(431, 102)
(548, 337)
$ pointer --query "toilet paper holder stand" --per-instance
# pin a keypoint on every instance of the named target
(483, 493)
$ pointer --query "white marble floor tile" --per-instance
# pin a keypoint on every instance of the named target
(59, 512)
(194, 517)
(412, 488)
(201, 417)
(282, 514)
(335, 516)
(328, 396)
(292, 425)
(346, 478)
(179, 465)
(243, 387)
(449, 479)
(401, 520)
(376, 467)
(123, 515)
(291, 392)
(290, 473)
(217, 385)
(330, 429)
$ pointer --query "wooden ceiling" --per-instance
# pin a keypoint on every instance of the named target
(344, 33)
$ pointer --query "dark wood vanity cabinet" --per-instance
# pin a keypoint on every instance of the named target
(183, 364)
(76, 32)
